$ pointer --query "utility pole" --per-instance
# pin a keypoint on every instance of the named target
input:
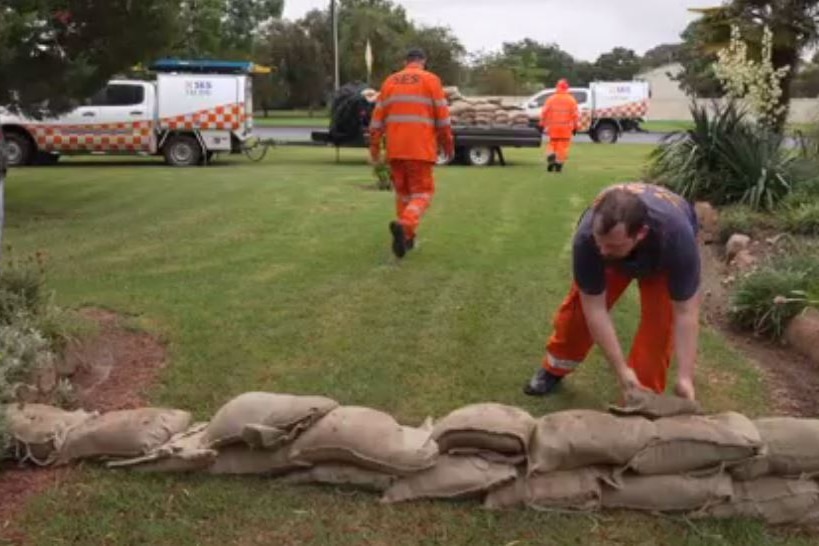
(334, 19)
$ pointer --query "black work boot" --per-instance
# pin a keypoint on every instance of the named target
(559, 167)
(551, 159)
(399, 239)
(410, 244)
(542, 383)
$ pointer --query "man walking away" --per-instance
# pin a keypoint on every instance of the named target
(560, 117)
(413, 114)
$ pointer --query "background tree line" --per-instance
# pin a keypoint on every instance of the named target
(63, 50)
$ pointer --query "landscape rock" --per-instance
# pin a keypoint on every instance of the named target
(736, 244)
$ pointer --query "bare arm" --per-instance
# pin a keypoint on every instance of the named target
(686, 335)
(604, 335)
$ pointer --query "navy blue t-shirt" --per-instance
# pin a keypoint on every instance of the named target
(670, 246)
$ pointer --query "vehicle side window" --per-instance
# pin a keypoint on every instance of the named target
(580, 96)
(543, 98)
(119, 95)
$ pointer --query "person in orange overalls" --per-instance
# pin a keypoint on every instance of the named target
(632, 231)
(560, 117)
(413, 113)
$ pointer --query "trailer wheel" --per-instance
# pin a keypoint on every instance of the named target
(183, 151)
(480, 156)
(606, 132)
(19, 149)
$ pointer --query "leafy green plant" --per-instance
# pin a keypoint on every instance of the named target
(743, 219)
(765, 301)
(802, 219)
(725, 159)
(383, 177)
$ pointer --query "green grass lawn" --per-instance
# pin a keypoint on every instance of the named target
(278, 276)
(292, 118)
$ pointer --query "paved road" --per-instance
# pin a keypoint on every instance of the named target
(302, 134)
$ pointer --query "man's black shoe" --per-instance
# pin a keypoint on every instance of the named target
(559, 167)
(410, 244)
(399, 241)
(542, 383)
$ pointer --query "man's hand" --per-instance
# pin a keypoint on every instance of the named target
(685, 389)
(629, 381)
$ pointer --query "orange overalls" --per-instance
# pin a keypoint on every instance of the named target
(413, 113)
(560, 117)
(652, 349)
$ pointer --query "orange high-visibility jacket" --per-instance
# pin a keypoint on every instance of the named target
(560, 115)
(413, 113)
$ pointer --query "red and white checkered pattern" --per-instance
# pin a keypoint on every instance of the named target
(626, 111)
(229, 117)
(105, 137)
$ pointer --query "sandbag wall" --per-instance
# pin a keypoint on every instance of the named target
(656, 454)
(473, 112)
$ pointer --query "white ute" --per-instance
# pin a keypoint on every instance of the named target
(192, 110)
(606, 108)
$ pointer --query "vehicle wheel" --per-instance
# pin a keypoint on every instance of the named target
(480, 156)
(606, 133)
(593, 136)
(19, 150)
(183, 151)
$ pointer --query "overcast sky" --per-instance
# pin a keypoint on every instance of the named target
(584, 28)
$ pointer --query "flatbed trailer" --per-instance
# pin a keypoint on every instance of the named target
(474, 145)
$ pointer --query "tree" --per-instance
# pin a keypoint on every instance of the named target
(697, 77)
(620, 64)
(444, 51)
(55, 52)
(242, 23)
(793, 24)
(386, 25)
(292, 51)
(661, 55)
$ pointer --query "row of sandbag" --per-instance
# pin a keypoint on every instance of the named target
(722, 465)
(483, 112)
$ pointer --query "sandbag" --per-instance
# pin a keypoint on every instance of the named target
(578, 438)
(451, 477)
(290, 413)
(491, 456)
(791, 449)
(690, 443)
(38, 430)
(773, 500)
(239, 460)
(667, 493)
(655, 406)
(182, 453)
(368, 438)
(126, 433)
(507, 496)
(491, 427)
(579, 490)
(342, 475)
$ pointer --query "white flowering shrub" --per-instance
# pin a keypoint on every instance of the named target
(758, 83)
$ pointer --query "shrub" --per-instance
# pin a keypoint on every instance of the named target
(742, 219)
(765, 301)
(725, 159)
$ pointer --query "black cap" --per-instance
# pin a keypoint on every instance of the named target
(416, 54)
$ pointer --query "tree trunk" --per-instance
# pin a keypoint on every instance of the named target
(785, 57)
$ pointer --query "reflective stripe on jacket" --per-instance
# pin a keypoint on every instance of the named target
(413, 114)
